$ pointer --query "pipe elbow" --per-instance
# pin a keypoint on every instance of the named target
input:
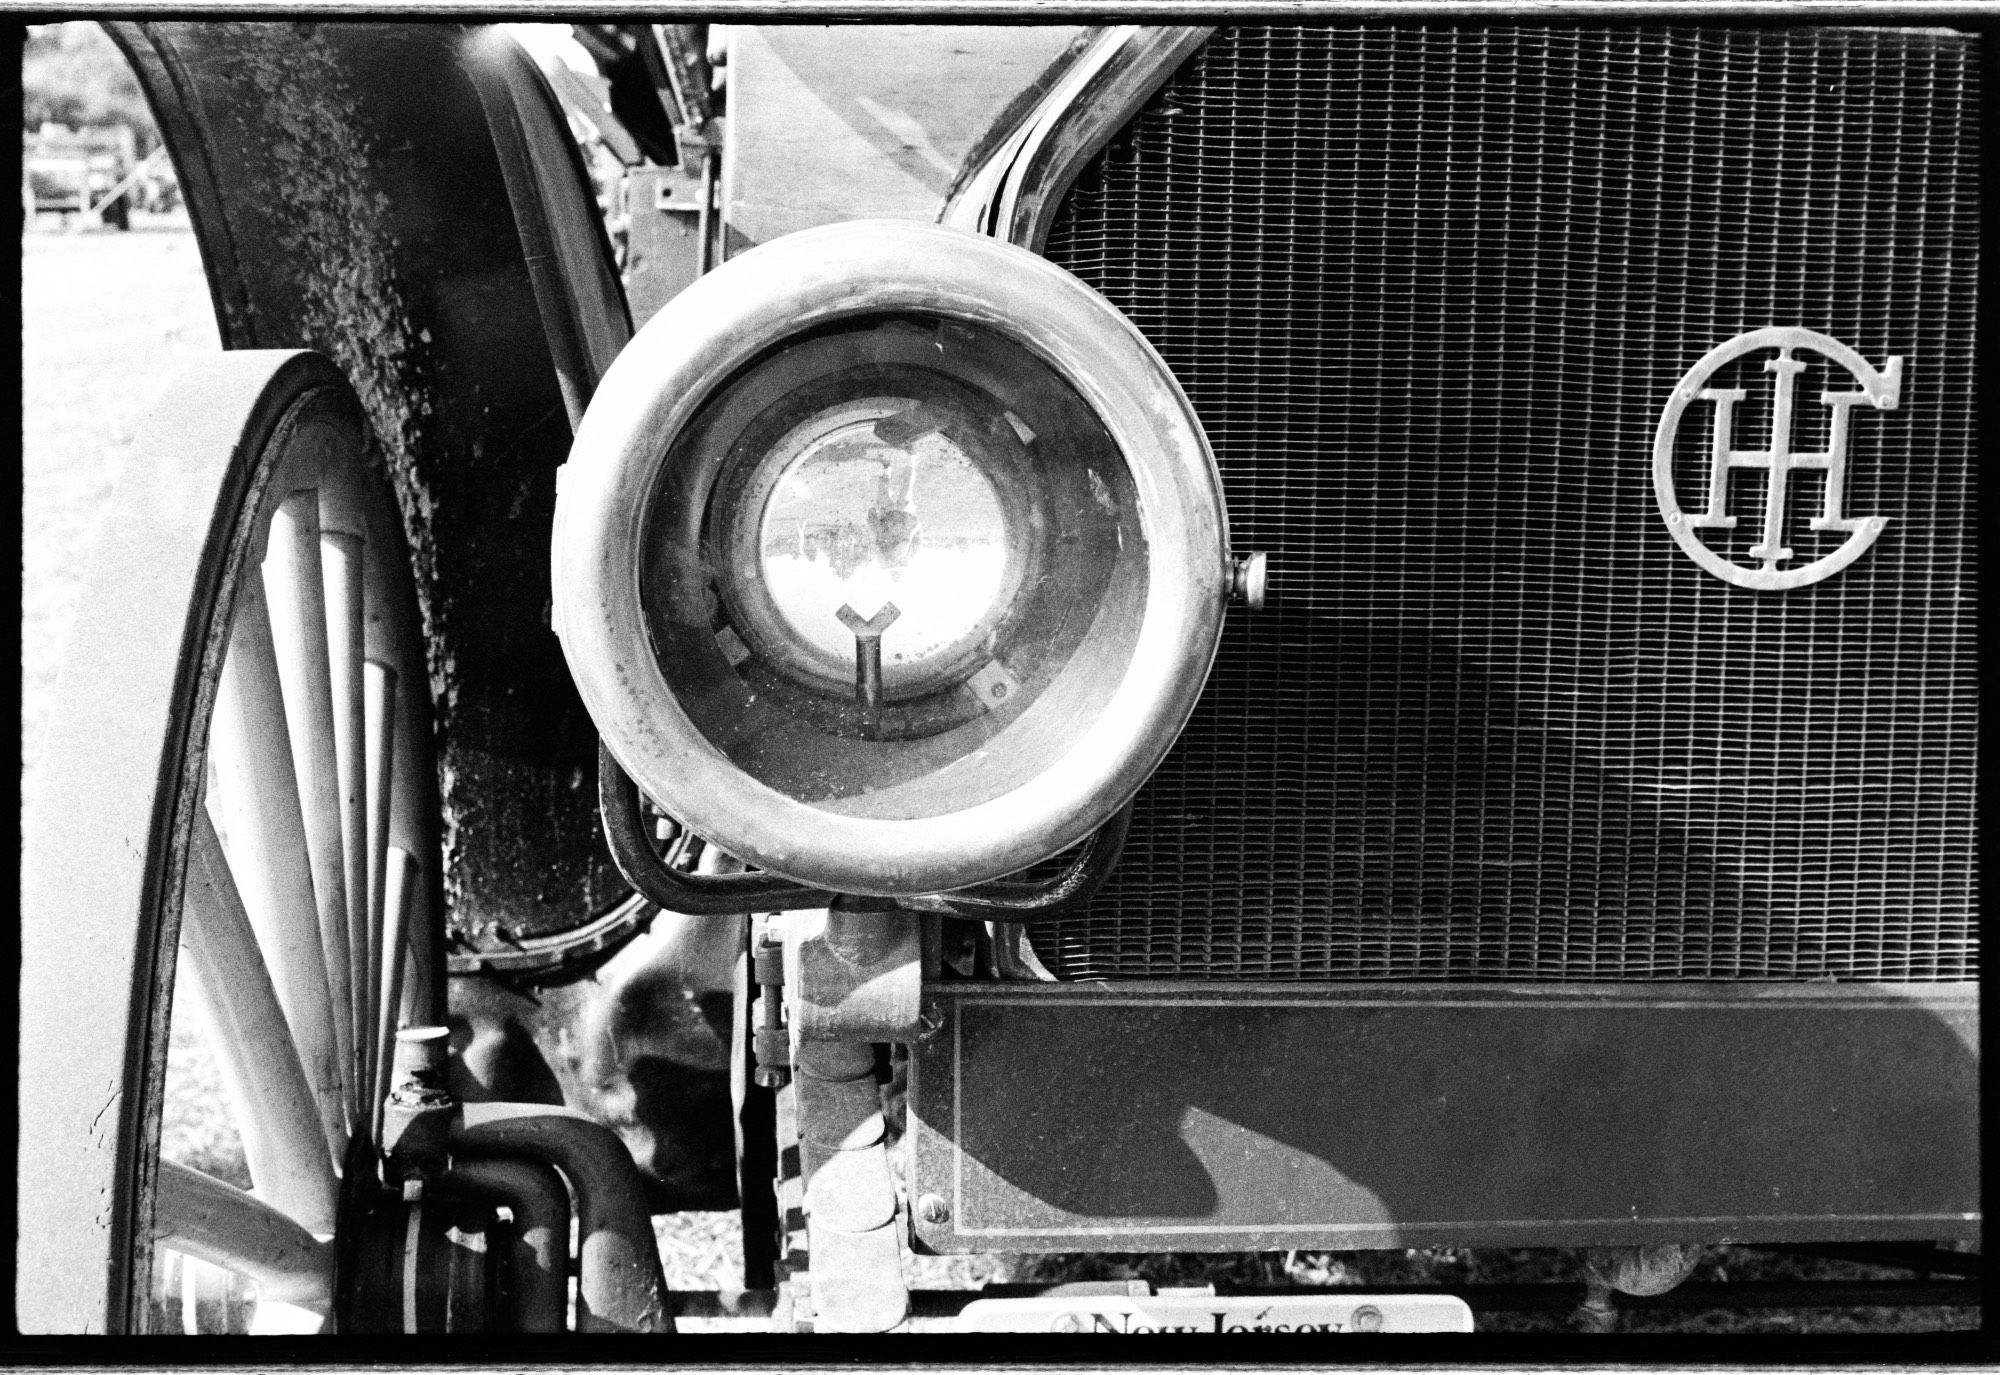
(621, 1287)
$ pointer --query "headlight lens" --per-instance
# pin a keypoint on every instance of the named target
(856, 523)
(885, 508)
(923, 483)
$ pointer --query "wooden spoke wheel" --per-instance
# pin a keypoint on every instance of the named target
(238, 774)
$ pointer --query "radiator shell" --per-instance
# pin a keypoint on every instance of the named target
(1429, 291)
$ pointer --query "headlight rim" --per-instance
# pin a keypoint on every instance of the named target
(813, 278)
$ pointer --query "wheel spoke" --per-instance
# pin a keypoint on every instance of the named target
(283, 1137)
(298, 630)
(402, 879)
(222, 1225)
(255, 800)
(340, 566)
(395, 640)
(410, 801)
(379, 717)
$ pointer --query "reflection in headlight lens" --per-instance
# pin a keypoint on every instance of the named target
(877, 507)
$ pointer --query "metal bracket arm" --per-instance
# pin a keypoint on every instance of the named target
(1063, 896)
(704, 895)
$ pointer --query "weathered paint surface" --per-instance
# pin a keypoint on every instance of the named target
(332, 225)
(1251, 1117)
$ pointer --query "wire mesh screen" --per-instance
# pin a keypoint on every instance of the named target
(1430, 291)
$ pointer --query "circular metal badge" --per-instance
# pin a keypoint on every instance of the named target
(1765, 570)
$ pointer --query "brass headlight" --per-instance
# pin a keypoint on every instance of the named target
(890, 558)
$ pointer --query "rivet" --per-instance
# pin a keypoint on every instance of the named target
(933, 1209)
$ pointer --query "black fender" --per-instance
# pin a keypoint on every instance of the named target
(405, 199)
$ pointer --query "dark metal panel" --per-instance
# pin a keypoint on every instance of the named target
(348, 197)
(1179, 1117)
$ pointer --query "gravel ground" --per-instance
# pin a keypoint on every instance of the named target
(108, 320)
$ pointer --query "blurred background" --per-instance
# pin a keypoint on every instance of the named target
(114, 305)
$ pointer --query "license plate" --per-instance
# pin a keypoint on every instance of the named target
(1242, 1315)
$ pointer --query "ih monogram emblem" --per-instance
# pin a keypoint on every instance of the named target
(1880, 389)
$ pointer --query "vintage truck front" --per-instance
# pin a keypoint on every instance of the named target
(1338, 636)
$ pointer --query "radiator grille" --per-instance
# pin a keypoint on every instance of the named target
(1429, 291)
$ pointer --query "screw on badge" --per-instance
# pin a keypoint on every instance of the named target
(1778, 460)
(933, 1209)
(1367, 1318)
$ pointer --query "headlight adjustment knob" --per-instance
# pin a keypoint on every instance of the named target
(1248, 577)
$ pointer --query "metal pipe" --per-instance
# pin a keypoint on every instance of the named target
(622, 1288)
(705, 236)
(540, 1251)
